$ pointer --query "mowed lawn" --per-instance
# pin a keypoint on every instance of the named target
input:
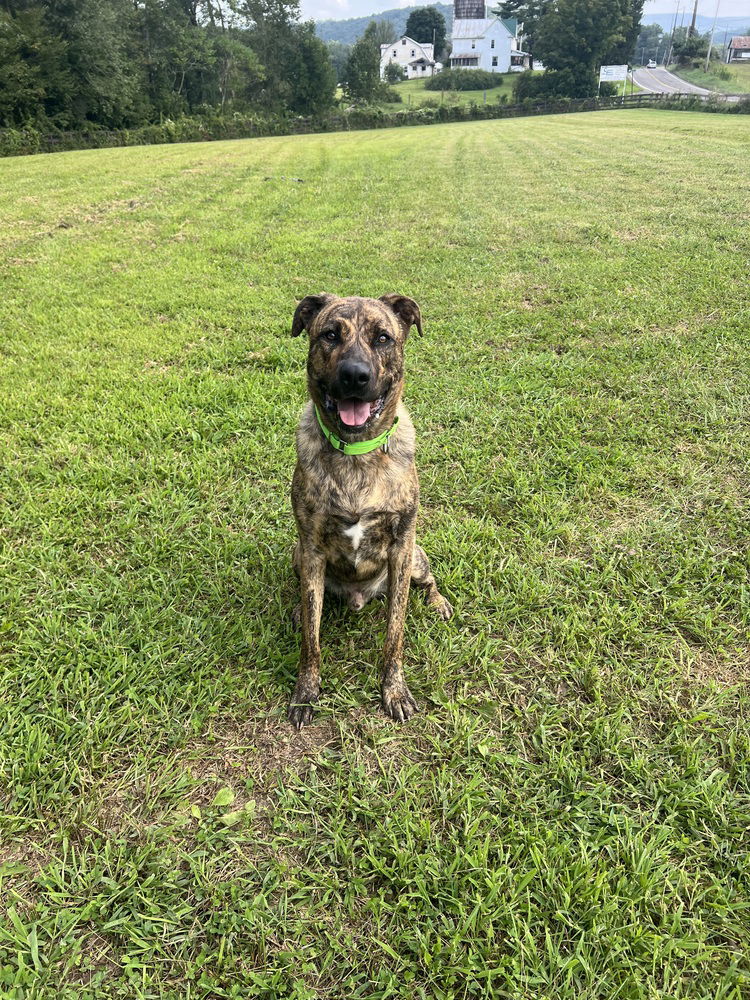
(568, 817)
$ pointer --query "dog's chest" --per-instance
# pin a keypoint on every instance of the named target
(360, 541)
(355, 534)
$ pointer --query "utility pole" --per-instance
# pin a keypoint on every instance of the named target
(692, 23)
(711, 39)
(668, 52)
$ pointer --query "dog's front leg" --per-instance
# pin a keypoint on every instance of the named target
(397, 698)
(307, 689)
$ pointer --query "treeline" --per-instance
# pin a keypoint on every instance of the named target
(119, 64)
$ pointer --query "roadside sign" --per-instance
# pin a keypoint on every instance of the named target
(611, 73)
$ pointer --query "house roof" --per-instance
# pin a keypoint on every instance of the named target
(740, 42)
(474, 27)
(465, 55)
(425, 46)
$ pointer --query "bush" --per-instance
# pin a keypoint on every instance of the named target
(394, 73)
(391, 96)
(559, 83)
(464, 79)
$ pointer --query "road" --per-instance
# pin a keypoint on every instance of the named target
(661, 81)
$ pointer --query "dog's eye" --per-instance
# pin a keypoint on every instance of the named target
(330, 336)
(382, 338)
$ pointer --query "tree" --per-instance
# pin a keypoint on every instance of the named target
(649, 44)
(309, 72)
(270, 34)
(384, 34)
(34, 76)
(425, 25)
(623, 52)
(97, 36)
(362, 72)
(689, 48)
(237, 73)
(394, 73)
(574, 36)
(338, 53)
(529, 14)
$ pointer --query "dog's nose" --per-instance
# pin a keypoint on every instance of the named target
(354, 376)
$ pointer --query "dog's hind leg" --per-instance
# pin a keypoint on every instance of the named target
(421, 577)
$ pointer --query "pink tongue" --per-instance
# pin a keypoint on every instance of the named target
(353, 412)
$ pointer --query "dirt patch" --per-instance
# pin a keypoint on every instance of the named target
(21, 861)
(727, 671)
(96, 959)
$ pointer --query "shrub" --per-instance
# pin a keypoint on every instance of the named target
(558, 83)
(391, 96)
(530, 86)
(464, 79)
(394, 73)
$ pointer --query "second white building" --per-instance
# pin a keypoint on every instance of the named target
(417, 58)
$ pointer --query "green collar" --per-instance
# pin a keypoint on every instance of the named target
(357, 447)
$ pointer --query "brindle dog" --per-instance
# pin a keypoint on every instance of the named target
(356, 514)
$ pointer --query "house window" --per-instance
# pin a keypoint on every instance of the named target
(473, 45)
(492, 44)
(394, 52)
(494, 60)
(403, 41)
(413, 53)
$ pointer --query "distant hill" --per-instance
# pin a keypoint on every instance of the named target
(734, 25)
(349, 30)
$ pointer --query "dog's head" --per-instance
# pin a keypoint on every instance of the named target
(355, 363)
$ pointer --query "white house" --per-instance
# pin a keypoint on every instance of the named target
(417, 58)
(484, 42)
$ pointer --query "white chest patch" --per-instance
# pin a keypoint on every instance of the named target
(355, 534)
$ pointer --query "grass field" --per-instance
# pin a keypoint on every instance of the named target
(414, 94)
(738, 82)
(568, 817)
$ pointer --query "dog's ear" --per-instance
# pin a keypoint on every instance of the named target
(406, 309)
(307, 310)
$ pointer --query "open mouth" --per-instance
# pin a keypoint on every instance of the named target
(355, 413)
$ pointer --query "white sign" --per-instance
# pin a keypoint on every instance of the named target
(610, 73)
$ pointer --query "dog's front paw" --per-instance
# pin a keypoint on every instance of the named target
(443, 608)
(398, 701)
(304, 696)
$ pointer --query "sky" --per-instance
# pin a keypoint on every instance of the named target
(338, 9)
